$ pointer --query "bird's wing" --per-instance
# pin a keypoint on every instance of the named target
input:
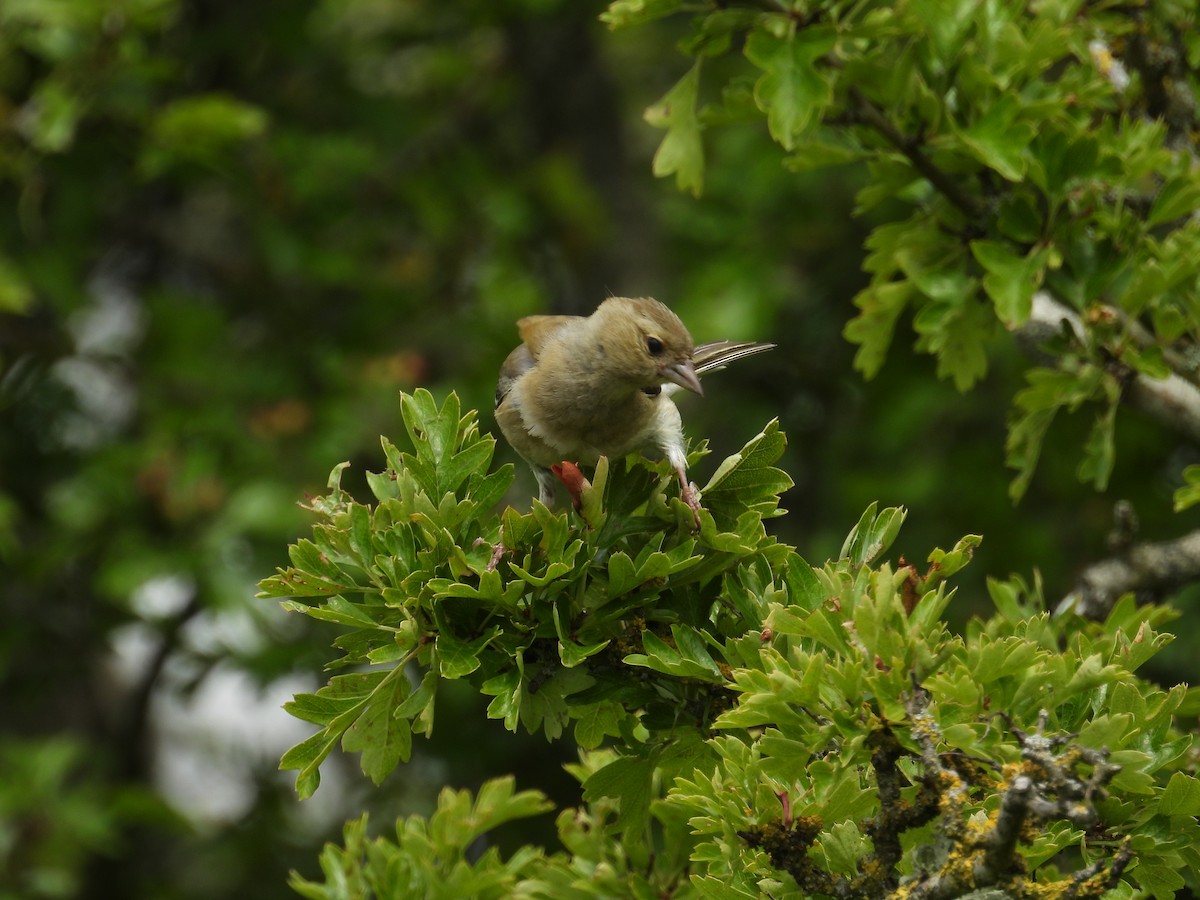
(514, 366)
(535, 331)
(714, 356)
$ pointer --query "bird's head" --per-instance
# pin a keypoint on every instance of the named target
(646, 343)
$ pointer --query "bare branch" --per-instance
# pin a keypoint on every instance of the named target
(1173, 401)
(1146, 569)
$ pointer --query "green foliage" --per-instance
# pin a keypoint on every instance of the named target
(550, 633)
(1009, 152)
(431, 858)
(200, 129)
(257, 194)
(54, 816)
(680, 153)
(747, 722)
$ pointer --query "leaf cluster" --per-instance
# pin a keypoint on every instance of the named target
(574, 628)
(1011, 150)
(719, 686)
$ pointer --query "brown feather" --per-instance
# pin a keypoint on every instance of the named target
(716, 355)
(535, 331)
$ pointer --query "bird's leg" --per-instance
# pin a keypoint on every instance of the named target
(689, 494)
(499, 551)
(545, 479)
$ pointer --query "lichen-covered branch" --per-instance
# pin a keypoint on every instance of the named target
(1055, 780)
(1044, 787)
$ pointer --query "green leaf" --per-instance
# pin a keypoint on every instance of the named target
(491, 590)
(1019, 219)
(747, 478)
(336, 609)
(622, 574)
(1099, 451)
(1011, 280)
(1023, 447)
(360, 535)
(419, 707)
(998, 140)
(947, 23)
(1179, 197)
(692, 661)
(1188, 495)
(505, 688)
(880, 305)
(1170, 323)
(307, 558)
(469, 461)
(714, 888)
(626, 13)
(815, 152)
(384, 739)
(944, 564)
(339, 705)
(956, 331)
(498, 802)
(458, 658)
(570, 652)
(681, 152)
(1034, 409)
(844, 846)
(1162, 881)
(307, 756)
(791, 91)
(872, 535)
(1149, 361)
(596, 721)
(1181, 797)
(629, 780)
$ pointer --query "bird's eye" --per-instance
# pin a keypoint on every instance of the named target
(654, 345)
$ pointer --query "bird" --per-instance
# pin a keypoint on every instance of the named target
(581, 387)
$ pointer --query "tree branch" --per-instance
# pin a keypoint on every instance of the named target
(1145, 569)
(1173, 401)
(1047, 786)
(869, 114)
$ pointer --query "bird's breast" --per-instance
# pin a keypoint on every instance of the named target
(582, 422)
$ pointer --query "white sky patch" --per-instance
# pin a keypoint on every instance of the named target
(210, 740)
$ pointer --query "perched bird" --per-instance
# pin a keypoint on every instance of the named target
(580, 388)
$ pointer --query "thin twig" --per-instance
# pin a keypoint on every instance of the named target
(869, 114)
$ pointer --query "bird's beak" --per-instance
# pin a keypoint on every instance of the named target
(683, 374)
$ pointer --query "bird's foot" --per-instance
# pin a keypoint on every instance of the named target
(690, 494)
(499, 551)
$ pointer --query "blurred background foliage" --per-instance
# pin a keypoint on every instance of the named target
(232, 233)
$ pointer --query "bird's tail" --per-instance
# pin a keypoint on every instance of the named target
(714, 356)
